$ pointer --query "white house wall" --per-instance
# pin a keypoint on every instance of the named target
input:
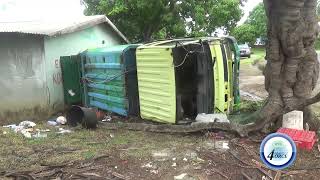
(71, 44)
(22, 80)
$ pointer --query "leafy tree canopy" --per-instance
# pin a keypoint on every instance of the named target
(143, 20)
(245, 34)
(254, 27)
(258, 19)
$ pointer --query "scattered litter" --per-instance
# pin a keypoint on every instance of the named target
(207, 118)
(181, 176)
(116, 167)
(25, 128)
(107, 118)
(148, 165)
(27, 124)
(250, 97)
(293, 120)
(112, 135)
(39, 135)
(11, 126)
(222, 145)
(26, 133)
(174, 165)
(71, 92)
(191, 155)
(154, 171)
(64, 131)
(185, 159)
(200, 160)
(4, 132)
(52, 123)
(162, 155)
(173, 159)
(45, 130)
(61, 120)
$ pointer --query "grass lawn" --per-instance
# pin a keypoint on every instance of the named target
(258, 54)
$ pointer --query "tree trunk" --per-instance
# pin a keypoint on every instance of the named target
(292, 67)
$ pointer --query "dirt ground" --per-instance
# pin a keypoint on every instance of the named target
(104, 154)
(120, 154)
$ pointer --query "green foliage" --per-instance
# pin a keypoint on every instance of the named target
(318, 9)
(254, 27)
(151, 19)
(258, 19)
(245, 34)
(317, 44)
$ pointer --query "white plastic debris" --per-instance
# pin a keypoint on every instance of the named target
(43, 130)
(222, 145)
(26, 133)
(185, 159)
(148, 165)
(174, 165)
(71, 93)
(52, 123)
(27, 124)
(64, 131)
(107, 118)
(208, 118)
(61, 120)
(173, 159)
(293, 120)
(11, 126)
(154, 171)
(39, 135)
(181, 176)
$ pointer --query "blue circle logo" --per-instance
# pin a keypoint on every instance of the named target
(278, 151)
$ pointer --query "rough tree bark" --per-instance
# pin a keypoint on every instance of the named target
(292, 67)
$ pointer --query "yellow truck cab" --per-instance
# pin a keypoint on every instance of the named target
(175, 80)
(222, 75)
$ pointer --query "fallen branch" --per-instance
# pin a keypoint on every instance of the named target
(19, 175)
(120, 176)
(170, 128)
(278, 176)
(234, 154)
(294, 173)
(246, 176)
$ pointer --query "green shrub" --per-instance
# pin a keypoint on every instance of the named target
(318, 44)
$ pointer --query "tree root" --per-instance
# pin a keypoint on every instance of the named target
(261, 118)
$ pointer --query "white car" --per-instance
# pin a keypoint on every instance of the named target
(245, 50)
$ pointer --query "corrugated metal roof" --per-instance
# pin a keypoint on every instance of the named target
(57, 26)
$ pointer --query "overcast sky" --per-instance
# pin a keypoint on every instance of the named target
(40, 9)
(247, 8)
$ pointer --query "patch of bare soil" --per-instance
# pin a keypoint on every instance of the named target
(252, 80)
